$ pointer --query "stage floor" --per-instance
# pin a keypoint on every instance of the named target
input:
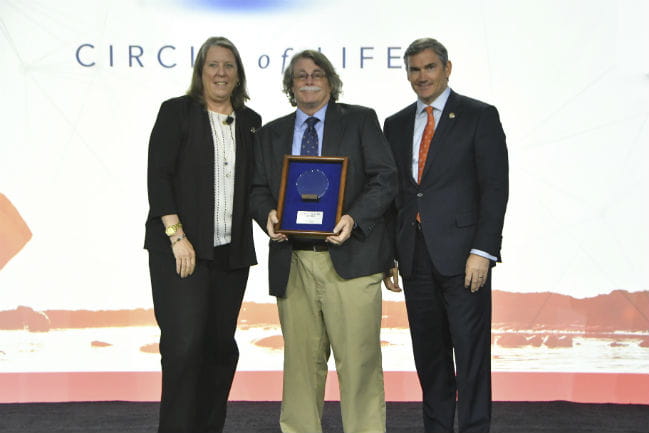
(261, 417)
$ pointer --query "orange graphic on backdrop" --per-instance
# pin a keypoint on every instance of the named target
(14, 233)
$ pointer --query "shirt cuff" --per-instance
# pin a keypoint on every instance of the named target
(483, 254)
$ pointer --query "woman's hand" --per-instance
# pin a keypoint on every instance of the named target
(185, 256)
(181, 247)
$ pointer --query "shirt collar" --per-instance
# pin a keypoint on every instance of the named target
(438, 104)
(301, 116)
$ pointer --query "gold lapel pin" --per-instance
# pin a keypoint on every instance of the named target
(451, 116)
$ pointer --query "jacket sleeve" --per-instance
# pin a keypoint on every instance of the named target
(493, 179)
(391, 213)
(261, 197)
(380, 174)
(164, 147)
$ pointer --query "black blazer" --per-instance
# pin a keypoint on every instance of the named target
(181, 179)
(464, 187)
(351, 131)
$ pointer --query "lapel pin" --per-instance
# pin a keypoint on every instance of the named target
(253, 130)
(451, 116)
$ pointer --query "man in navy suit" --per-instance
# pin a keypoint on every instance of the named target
(451, 155)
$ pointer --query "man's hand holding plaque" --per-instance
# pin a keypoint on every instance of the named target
(343, 230)
(270, 227)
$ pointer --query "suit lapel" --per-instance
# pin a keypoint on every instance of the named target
(333, 131)
(445, 125)
(241, 147)
(201, 126)
(283, 140)
(243, 143)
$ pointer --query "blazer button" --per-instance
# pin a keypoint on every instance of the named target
(420, 194)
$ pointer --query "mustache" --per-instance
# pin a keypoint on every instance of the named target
(310, 88)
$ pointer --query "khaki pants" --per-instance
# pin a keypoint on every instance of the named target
(323, 310)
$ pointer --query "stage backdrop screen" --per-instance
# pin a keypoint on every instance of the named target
(81, 86)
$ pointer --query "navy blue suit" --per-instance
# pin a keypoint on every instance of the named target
(461, 199)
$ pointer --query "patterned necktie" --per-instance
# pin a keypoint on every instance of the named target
(426, 138)
(424, 145)
(310, 138)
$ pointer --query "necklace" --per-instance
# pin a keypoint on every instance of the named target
(218, 121)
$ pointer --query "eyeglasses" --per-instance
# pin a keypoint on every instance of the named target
(315, 75)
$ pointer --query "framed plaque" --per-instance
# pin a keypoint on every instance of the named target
(311, 195)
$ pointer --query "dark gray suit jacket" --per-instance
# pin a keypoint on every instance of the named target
(351, 131)
(180, 179)
(464, 187)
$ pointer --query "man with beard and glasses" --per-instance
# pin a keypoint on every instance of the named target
(328, 291)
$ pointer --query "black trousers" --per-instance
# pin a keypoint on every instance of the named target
(446, 318)
(197, 316)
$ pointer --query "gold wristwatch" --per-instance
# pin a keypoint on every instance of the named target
(172, 229)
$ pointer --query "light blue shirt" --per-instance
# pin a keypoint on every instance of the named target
(300, 127)
(421, 118)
